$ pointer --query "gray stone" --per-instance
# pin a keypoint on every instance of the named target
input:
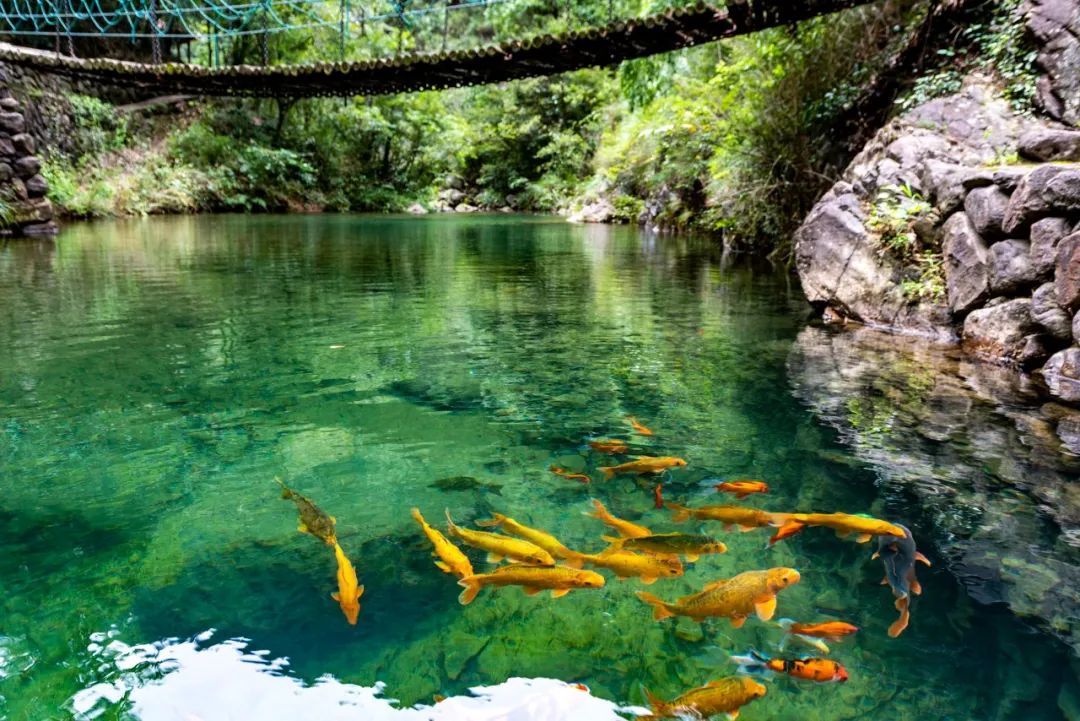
(1050, 144)
(1008, 179)
(1034, 352)
(12, 123)
(1051, 316)
(32, 211)
(1047, 190)
(414, 209)
(451, 196)
(1045, 236)
(1000, 334)
(24, 143)
(600, 211)
(18, 189)
(454, 182)
(1067, 272)
(465, 208)
(27, 166)
(36, 186)
(34, 230)
(986, 209)
(1062, 375)
(1011, 271)
(5, 172)
(10, 105)
(967, 265)
(7, 148)
(947, 183)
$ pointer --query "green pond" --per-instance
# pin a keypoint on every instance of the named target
(157, 375)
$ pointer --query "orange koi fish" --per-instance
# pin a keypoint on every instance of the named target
(608, 446)
(638, 428)
(813, 633)
(787, 530)
(642, 465)
(726, 696)
(349, 591)
(626, 529)
(742, 489)
(658, 495)
(863, 526)
(734, 598)
(747, 519)
(451, 558)
(819, 670)
(533, 579)
(570, 476)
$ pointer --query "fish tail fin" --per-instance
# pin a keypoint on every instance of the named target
(659, 706)
(898, 626)
(601, 511)
(660, 608)
(450, 521)
(682, 513)
(419, 518)
(785, 623)
(608, 471)
(779, 519)
(576, 560)
(752, 662)
(489, 522)
(285, 491)
(472, 587)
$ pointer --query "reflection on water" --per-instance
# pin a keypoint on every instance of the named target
(157, 375)
(184, 680)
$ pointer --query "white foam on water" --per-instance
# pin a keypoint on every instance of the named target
(177, 680)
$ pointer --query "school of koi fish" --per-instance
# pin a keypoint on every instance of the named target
(538, 561)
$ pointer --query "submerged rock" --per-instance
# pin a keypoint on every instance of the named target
(1000, 332)
(994, 468)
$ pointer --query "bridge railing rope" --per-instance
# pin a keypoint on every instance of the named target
(212, 30)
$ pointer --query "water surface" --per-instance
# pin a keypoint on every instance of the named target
(156, 375)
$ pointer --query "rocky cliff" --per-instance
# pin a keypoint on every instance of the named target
(958, 221)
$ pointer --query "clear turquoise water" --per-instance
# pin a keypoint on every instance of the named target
(156, 375)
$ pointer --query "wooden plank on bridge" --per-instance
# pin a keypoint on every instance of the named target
(547, 55)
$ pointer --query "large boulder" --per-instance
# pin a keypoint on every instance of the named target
(1047, 144)
(1000, 333)
(1047, 190)
(1055, 26)
(1051, 316)
(1011, 272)
(1062, 375)
(946, 184)
(600, 211)
(1067, 272)
(967, 265)
(986, 209)
(1045, 236)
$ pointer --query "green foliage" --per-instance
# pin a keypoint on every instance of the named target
(894, 218)
(1000, 45)
(98, 127)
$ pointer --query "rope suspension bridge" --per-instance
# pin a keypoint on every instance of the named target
(169, 26)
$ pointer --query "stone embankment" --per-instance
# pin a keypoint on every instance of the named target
(23, 187)
(991, 197)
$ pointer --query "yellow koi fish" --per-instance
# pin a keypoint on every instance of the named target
(733, 598)
(451, 558)
(726, 696)
(626, 564)
(349, 591)
(500, 547)
(866, 527)
(533, 579)
(626, 529)
(643, 465)
(537, 537)
(747, 519)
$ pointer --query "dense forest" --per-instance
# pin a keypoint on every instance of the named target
(737, 137)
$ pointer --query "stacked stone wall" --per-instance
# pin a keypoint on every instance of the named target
(20, 169)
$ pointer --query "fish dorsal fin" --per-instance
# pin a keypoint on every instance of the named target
(442, 566)
(715, 584)
(714, 683)
(336, 596)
